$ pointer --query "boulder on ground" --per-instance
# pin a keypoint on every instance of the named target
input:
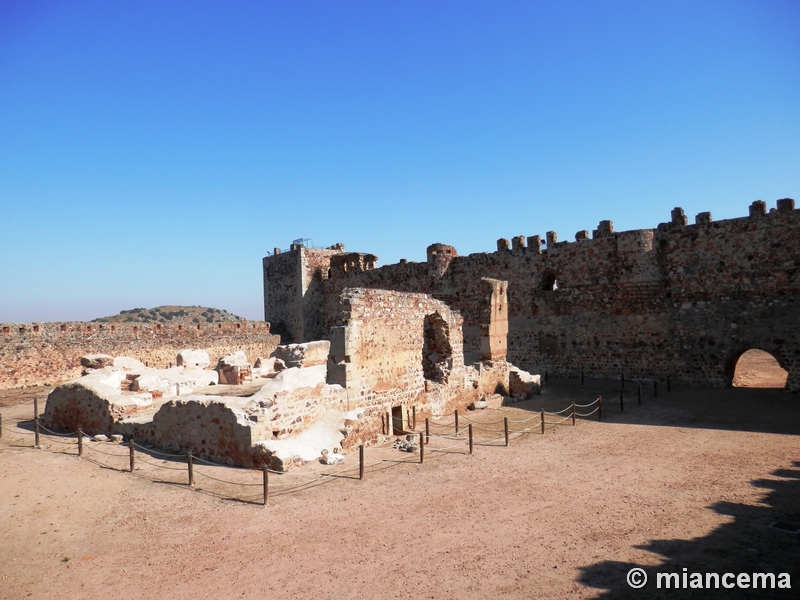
(97, 361)
(309, 354)
(194, 358)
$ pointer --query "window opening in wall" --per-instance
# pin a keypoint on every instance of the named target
(6, 330)
(198, 325)
(549, 282)
(63, 328)
(113, 328)
(89, 329)
(759, 369)
(238, 326)
(36, 329)
(22, 330)
(437, 353)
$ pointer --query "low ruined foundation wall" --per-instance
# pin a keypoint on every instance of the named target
(39, 353)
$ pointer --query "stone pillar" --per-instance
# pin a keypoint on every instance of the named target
(494, 319)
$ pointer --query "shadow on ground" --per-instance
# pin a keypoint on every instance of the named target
(748, 544)
(732, 409)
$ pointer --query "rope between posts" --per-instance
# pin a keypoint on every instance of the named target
(147, 462)
(226, 481)
(57, 441)
(93, 449)
(552, 414)
(536, 416)
(150, 450)
(479, 422)
(569, 418)
(55, 432)
(448, 436)
(577, 414)
(587, 405)
(13, 431)
(443, 449)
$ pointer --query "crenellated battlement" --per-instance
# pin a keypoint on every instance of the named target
(679, 298)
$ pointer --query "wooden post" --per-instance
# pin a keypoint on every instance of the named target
(456, 421)
(542, 420)
(361, 461)
(469, 427)
(622, 401)
(599, 408)
(80, 442)
(639, 395)
(669, 386)
(35, 408)
(408, 417)
(427, 431)
(413, 417)
(383, 424)
(655, 389)
(421, 449)
(189, 465)
(505, 428)
(266, 485)
(623, 380)
(36, 432)
(130, 446)
(573, 414)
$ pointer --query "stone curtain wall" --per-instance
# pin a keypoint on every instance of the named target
(38, 353)
(681, 300)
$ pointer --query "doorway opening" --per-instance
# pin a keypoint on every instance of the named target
(759, 369)
(398, 422)
(437, 353)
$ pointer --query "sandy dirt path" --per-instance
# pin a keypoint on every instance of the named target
(689, 479)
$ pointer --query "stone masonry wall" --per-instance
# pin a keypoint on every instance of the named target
(681, 300)
(379, 346)
(38, 353)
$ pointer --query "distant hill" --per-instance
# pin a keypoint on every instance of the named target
(171, 314)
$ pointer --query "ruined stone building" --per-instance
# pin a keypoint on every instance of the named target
(680, 300)
(363, 348)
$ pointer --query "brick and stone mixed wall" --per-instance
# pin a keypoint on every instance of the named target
(38, 353)
(681, 300)
(396, 349)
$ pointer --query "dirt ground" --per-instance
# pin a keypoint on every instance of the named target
(693, 478)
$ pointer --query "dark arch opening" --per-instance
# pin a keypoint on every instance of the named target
(437, 353)
(756, 368)
(549, 281)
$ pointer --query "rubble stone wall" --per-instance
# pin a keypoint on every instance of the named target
(379, 347)
(38, 353)
(680, 300)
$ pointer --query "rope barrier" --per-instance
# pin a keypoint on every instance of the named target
(226, 481)
(93, 449)
(17, 431)
(587, 405)
(55, 432)
(479, 422)
(147, 462)
(552, 414)
(150, 450)
(589, 414)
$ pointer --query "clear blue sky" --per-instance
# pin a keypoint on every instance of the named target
(152, 152)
